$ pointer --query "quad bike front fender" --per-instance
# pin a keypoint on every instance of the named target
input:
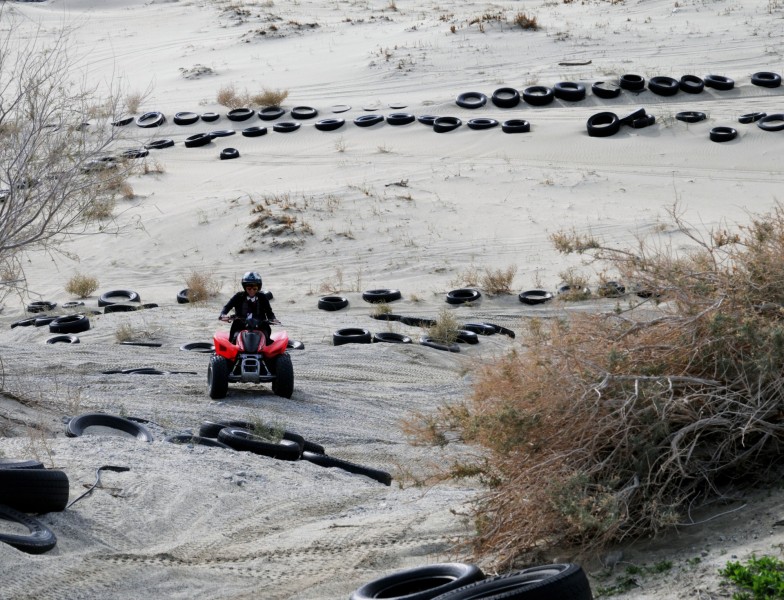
(223, 347)
(279, 341)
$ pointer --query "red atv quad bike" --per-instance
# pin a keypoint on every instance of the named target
(251, 359)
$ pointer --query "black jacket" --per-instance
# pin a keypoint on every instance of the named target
(242, 305)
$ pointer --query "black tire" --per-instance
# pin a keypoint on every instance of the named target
(295, 345)
(200, 139)
(446, 124)
(115, 296)
(480, 328)
(142, 344)
(766, 79)
(502, 330)
(185, 118)
(417, 321)
(664, 86)
(381, 295)
(240, 114)
(368, 120)
(286, 126)
(256, 131)
(691, 116)
(400, 118)
(506, 97)
(244, 440)
(482, 123)
(471, 100)
(210, 117)
(462, 295)
(426, 340)
(40, 539)
(719, 82)
(229, 153)
(538, 95)
(420, 583)
(330, 124)
(691, 84)
(427, 119)
(751, 117)
(545, 582)
(40, 306)
(70, 324)
(516, 126)
(391, 337)
(532, 297)
(611, 289)
(723, 134)
(151, 119)
(774, 122)
(196, 440)
(44, 320)
(643, 122)
(303, 112)
(211, 429)
(182, 296)
(351, 335)
(283, 384)
(73, 304)
(270, 113)
(219, 133)
(569, 91)
(330, 461)
(603, 124)
(78, 425)
(638, 113)
(632, 82)
(119, 307)
(203, 347)
(332, 303)
(218, 377)
(122, 122)
(135, 153)
(606, 89)
(386, 317)
(34, 490)
(68, 339)
(159, 144)
(23, 323)
(467, 337)
(20, 463)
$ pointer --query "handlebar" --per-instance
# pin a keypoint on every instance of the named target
(231, 318)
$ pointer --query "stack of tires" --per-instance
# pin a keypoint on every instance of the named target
(27, 487)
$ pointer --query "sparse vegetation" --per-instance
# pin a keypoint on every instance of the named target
(525, 21)
(127, 332)
(606, 427)
(445, 329)
(759, 579)
(81, 286)
(201, 287)
(229, 96)
(498, 281)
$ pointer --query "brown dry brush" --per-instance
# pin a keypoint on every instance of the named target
(606, 427)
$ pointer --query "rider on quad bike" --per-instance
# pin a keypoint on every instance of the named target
(250, 352)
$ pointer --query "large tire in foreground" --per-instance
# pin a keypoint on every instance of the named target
(283, 384)
(34, 490)
(78, 425)
(40, 540)
(211, 429)
(218, 377)
(562, 581)
(420, 583)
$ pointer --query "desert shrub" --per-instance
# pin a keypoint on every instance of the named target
(99, 209)
(269, 97)
(201, 287)
(230, 97)
(603, 427)
(526, 22)
(133, 102)
(81, 285)
(445, 328)
(227, 96)
(498, 281)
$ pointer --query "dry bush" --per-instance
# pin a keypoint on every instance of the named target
(269, 97)
(133, 102)
(130, 333)
(228, 96)
(446, 327)
(606, 427)
(498, 281)
(100, 209)
(81, 285)
(526, 22)
(201, 287)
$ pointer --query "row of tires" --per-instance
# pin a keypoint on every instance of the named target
(380, 296)
(570, 91)
(464, 581)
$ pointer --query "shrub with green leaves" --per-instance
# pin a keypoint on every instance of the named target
(760, 578)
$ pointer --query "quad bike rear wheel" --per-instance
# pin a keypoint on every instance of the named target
(218, 377)
(283, 384)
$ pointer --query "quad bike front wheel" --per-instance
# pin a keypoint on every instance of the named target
(283, 384)
(218, 377)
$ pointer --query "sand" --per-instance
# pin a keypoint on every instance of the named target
(382, 207)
